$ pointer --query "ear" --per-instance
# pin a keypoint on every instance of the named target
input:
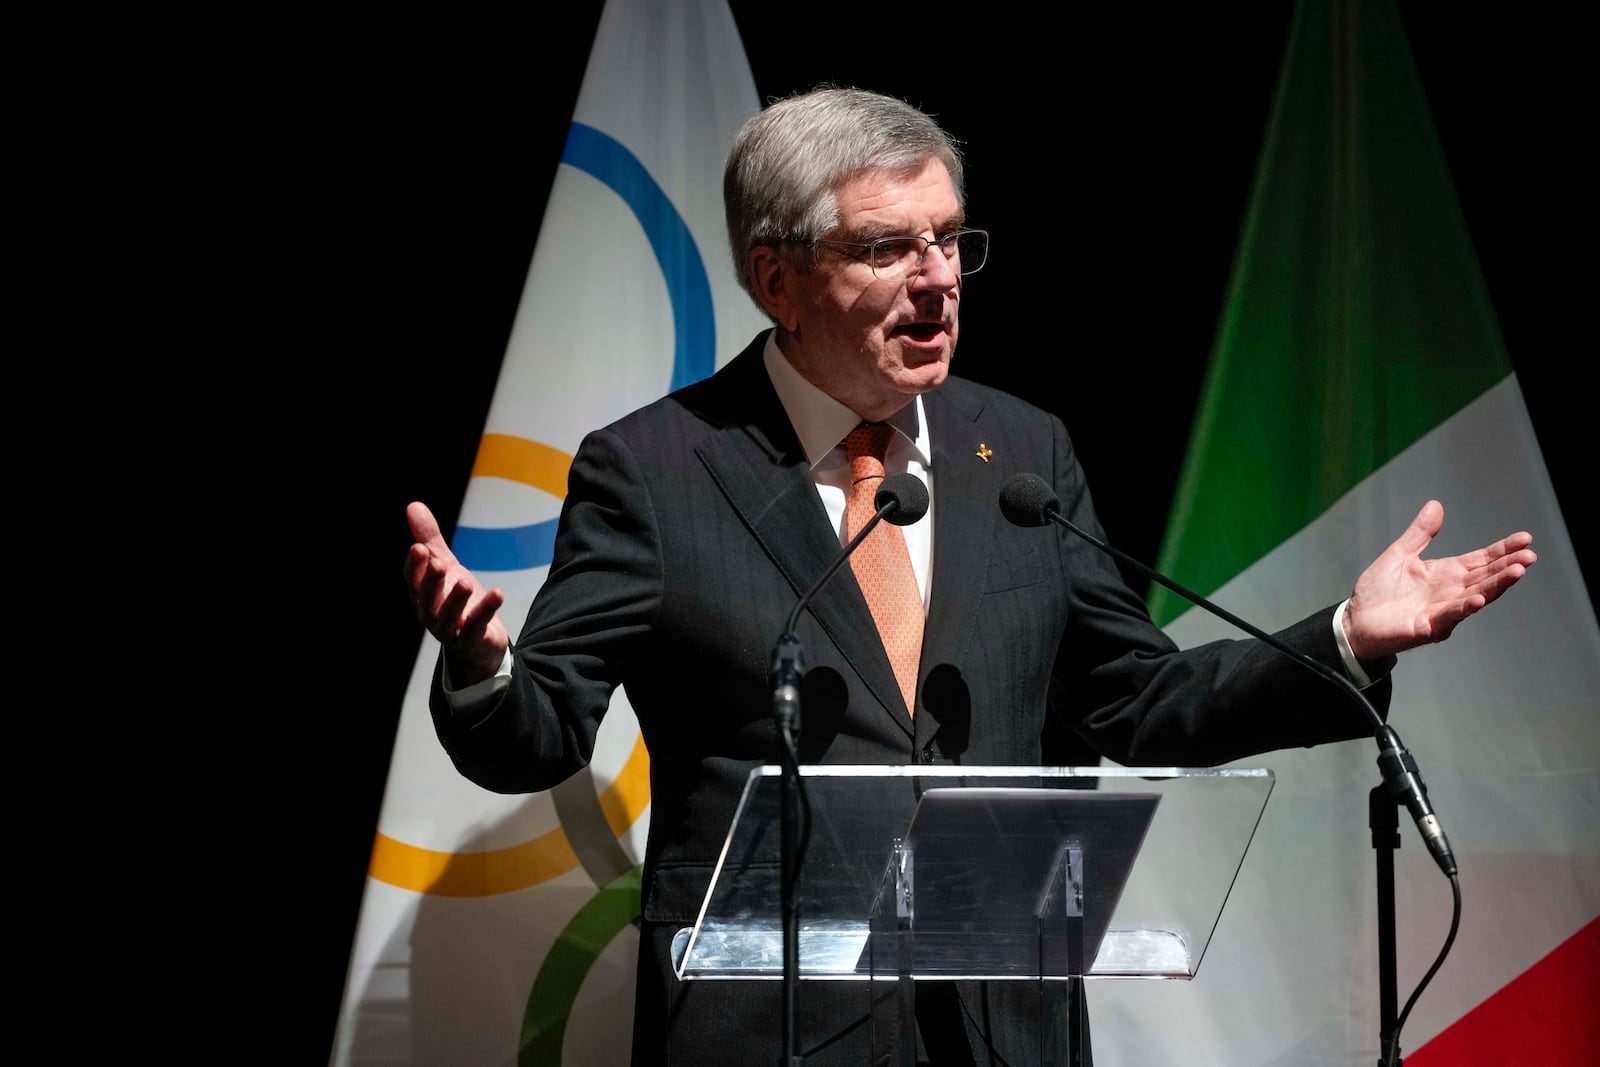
(772, 280)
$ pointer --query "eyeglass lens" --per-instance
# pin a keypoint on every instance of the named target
(901, 257)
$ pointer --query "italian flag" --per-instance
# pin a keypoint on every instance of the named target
(1358, 371)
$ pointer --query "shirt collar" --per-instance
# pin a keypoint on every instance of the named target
(821, 422)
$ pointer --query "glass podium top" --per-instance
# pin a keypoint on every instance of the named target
(991, 849)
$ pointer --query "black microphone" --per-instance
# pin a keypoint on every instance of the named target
(901, 500)
(1028, 500)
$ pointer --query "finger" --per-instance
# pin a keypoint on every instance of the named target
(441, 590)
(1494, 585)
(452, 605)
(1512, 549)
(1511, 546)
(430, 571)
(1490, 569)
(1446, 625)
(419, 562)
(1445, 622)
(479, 613)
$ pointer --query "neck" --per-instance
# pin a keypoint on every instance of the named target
(872, 407)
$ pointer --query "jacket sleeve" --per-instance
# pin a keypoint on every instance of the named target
(1126, 689)
(585, 627)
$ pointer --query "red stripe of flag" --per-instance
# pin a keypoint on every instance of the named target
(1547, 1016)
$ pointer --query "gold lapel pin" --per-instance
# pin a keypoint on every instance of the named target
(984, 452)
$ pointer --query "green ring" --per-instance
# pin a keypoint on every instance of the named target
(555, 987)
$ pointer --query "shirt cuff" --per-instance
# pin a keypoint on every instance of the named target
(473, 698)
(1352, 665)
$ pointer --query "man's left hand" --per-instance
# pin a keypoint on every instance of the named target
(1402, 600)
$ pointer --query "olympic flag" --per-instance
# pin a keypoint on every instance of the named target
(498, 929)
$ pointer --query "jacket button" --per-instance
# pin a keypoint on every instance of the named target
(927, 753)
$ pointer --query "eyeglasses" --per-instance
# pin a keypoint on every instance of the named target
(899, 259)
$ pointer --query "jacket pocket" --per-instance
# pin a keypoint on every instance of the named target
(675, 893)
(1014, 572)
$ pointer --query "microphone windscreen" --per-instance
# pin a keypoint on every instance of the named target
(1026, 499)
(909, 495)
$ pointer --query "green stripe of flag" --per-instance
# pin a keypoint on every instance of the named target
(1356, 318)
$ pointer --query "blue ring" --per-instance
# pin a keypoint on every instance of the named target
(694, 323)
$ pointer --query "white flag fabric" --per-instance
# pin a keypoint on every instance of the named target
(498, 929)
(1359, 371)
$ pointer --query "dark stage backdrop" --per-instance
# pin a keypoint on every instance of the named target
(1110, 154)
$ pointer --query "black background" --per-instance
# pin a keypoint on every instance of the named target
(1123, 143)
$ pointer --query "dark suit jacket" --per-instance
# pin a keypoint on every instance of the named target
(690, 529)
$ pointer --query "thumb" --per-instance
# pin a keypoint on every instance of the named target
(424, 527)
(1423, 529)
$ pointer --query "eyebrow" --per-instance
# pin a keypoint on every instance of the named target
(871, 232)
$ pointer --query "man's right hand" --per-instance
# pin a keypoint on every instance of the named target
(452, 604)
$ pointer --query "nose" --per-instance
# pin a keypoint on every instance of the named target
(937, 273)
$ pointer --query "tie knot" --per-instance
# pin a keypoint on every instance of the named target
(867, 444)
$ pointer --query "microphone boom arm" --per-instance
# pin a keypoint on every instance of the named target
(1027, 499)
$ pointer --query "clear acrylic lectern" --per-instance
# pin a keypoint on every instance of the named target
(1036, 874)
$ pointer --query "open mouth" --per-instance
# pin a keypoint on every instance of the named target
(922, 331)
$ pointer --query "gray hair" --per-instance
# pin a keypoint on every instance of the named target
(788, 162)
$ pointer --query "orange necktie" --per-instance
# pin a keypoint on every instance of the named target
(882, 563)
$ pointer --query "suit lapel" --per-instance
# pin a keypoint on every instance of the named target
(964, 515)
(757, 461)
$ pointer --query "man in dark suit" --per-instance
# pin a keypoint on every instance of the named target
(691, 526)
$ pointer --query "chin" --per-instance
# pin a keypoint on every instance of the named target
(927, 376)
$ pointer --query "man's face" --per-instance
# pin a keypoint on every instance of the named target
(871, 343)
